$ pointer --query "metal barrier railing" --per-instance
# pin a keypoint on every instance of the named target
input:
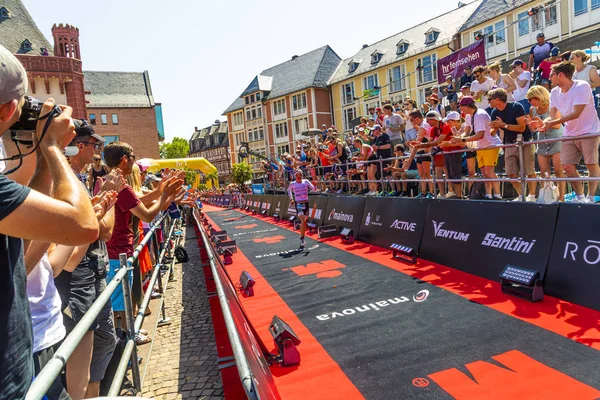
(344, 180)
(53, 368)
(241, 361)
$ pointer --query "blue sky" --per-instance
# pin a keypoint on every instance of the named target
(202, 54)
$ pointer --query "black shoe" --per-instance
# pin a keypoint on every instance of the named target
(302, 243)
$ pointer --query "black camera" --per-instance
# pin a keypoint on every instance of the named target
(30, 114)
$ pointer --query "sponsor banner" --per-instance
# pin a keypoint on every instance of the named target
(289, 209)
(221, 235)
(326, 231)
(386, 221)
(256, 202)
(455, 64)
(227, 244)
(266, 202)
(279, 205)
(317, 208)
(227, 200)
(257, 188)
(574, 267)
(345, 211)
(481, 238)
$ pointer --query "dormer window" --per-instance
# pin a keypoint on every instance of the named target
(26, 45)
(401, 47)
(352, 66)
(258, 96)
(431, 36)
(3, 12)
(376, 56)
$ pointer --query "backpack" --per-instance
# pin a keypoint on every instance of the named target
(181, 255)
(477, 191)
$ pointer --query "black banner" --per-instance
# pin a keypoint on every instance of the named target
(227, 244)
(326, 231)
(248, 200)
(279, 205)
(290, 210)
(345, 211)
(266, 203)
(256, 202)
(220, 235)
(574, 268)
(482, 237)
(386, 221)
(317, 208)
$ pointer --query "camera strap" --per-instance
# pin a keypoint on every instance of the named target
(49, 117)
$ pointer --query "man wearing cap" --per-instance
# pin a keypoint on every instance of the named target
(539, 52)
(479, 122)
(67, 218)
(466, 77)
(523, 80)
(298, 192)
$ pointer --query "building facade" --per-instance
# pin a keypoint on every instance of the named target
(280, 104)
(121, 108)
(510, 28)
(400, 66)
(212, 143)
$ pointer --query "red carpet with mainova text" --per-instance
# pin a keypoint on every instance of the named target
(374, 327)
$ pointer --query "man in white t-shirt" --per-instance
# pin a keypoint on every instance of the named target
(572, 104)
(523, 80)
(393, 125)
(480, 86)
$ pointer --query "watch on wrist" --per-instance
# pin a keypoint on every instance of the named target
(505, 126)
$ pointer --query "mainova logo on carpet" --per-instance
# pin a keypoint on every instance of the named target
(254, 232)
(375, 306)
(284, 252)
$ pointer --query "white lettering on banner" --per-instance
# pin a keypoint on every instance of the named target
(340, 216)
(375, 306)
(515, 244)
(285, 252)
(404, 226)
(451, 66)
(253, 232)
(590, 251)
(445, 233)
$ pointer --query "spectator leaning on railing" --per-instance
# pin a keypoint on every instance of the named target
(66, 218)
(572, 104)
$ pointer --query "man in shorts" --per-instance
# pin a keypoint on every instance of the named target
(298, 192)
(572, 104)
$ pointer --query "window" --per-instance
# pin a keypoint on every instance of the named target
(401, 48)
(248, 115)
(431, 36)
(550, 17)
(258, 96)
(524, 22)
(376, 57)
(595, 4)
(489, 36)
(300, 125)
(348, 93)
(279, 107)
(238, 119)
(500, 32)
(103, 119)
(253, 113)
(428, 69)
(397, 78)
(247, 100)
(251, 98)
(352, 65)
(281, 130)
(283, 149)
(369, 82)
(260, 134)
(115, 119)
(581, 7)
(299, 101)
(348, 115)
(3, 12)
(26, 45)
(93, 119)
(258, 111)
(110, 139)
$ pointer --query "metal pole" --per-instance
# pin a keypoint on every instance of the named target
(135, 368)
(522, 166)
(433, 177)
(381, 177)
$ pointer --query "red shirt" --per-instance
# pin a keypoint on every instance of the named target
(435, 133)
(122, 237)
(546, 66)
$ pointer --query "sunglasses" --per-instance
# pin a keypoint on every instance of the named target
(97, 146)
(131, 156)
(97, 159)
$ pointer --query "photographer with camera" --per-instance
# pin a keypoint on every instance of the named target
(66, 218)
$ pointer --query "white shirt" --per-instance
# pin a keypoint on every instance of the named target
(481, 122)
(520, 92)
(300, 190)
(579, 94)
(45, 306)
(486, 86)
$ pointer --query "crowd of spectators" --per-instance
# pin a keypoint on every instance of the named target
(65, 218)
(550, 97)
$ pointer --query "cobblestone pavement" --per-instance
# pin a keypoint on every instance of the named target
(183, 363)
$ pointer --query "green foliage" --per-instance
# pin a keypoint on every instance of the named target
(213, 178)
(190, 176)
(177, 148)
(241, 173)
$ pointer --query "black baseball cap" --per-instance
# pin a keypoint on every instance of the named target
(82, 128)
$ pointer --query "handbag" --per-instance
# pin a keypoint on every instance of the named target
(548, 193)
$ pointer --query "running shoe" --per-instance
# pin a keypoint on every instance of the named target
(519, 198)
(392, 194)
(302, 243)
(421, 195)
(450, 195)
(429, 196)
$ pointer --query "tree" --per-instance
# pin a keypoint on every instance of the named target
(213, 178)
(190, 176)
(178, 148)
(241, 173)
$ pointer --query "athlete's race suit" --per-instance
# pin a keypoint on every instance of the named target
(298, 192)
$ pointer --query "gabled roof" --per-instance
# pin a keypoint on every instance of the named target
(20, 26)
(313, 69)
(259, 83)
(447, 24)
(118, 89)
(218, 131)
(491, 9)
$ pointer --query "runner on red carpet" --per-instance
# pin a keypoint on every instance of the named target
(298, 192)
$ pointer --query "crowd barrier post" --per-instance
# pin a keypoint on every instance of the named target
(127, 300)
(433, 177)
(522, 174)
(381, 174)
(164, 320)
